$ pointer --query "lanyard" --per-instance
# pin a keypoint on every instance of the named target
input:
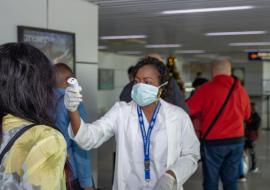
(146, 139)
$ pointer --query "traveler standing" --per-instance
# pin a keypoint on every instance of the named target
(224, 105)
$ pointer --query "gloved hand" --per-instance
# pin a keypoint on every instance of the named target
(166, 182)
(72, 98)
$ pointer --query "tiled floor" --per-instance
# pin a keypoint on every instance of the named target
(258, 181)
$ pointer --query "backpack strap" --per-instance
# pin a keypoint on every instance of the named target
(13, 139)
(220, 111)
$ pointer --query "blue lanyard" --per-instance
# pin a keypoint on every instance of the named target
(146, 139)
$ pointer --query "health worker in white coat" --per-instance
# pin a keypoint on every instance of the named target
(156, 146)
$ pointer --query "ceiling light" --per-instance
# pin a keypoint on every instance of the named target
(250, 44)
(203, 10)
(163, 46)
(122, 37)
(189, 51)
(256, 50)
(235, 33)
(130, 52)
(209, 55)
(102, 47)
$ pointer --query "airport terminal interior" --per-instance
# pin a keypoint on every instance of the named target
(101, 39)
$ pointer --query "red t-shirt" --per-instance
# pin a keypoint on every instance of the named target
(208, 100)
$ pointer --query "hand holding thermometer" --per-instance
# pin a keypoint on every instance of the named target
(73, 82)
(72, 96)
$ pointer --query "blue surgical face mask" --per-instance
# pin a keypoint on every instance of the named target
(145, 94)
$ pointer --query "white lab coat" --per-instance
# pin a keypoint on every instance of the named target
(121, 121)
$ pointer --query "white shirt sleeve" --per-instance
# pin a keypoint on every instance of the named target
(94, 135)
(186, 164)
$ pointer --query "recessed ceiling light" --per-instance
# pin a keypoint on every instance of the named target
(130, 52)
(250, 44)
(203, 10)
(163, 46)
(255, 50)
(102, 47)
(122, 37)
(209, 55)
(235, 33)
(189, 51)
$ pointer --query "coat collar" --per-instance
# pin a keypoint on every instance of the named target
(133, 105)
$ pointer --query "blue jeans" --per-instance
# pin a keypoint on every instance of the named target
(222, 162)
(241, 168)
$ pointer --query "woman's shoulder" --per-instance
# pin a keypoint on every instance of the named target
(44, 131)
(34, 147)
(44, 140)
(122, 105)
(32, 136)
(41, 138)
(39, 154)
(41, 133)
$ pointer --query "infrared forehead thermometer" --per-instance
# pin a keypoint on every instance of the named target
(73, 82)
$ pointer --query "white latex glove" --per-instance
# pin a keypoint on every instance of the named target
(166, 182)
(72, 98)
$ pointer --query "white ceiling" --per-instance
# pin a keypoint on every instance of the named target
(142, 17)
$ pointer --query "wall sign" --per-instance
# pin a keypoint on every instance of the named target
(58, 46)
(259, 56)
(105, 79)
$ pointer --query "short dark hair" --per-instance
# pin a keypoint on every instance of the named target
(63, 67)
(198, 82)
(161, 68)
(27, 82)
(198, 74)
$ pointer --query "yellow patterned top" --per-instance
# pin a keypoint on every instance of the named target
(36, 160)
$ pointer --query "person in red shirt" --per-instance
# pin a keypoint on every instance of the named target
(222, 146)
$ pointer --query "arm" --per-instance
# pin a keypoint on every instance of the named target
(75, 121)
(247, 108)
(93, 135)
(195, 102)
(186, 164)
(245, 102)
(82, 159)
